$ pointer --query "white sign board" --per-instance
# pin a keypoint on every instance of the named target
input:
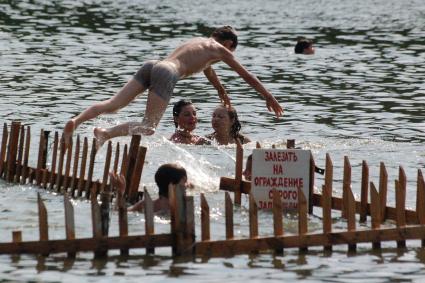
(285, 170)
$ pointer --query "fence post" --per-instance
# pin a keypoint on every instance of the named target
(12, 151)
(364, 191)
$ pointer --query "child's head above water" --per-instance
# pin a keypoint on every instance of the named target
(169, 173)
(304, 46)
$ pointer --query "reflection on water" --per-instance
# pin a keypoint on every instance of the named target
(362, 94)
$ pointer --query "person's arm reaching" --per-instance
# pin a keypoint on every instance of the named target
(271, 102)
(213, 79)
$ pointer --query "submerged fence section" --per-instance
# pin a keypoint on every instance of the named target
(71, 173)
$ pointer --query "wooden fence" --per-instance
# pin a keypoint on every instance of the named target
(408, 224)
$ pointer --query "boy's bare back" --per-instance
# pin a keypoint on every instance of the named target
(196, 55)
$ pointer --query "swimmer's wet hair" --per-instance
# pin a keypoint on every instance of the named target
(302, 43)
(177, 108)
(226, 33)
(166, 174)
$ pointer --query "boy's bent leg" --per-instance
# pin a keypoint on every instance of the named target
(155, 108)
(128, 93)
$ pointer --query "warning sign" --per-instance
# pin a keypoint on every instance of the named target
(285, 170)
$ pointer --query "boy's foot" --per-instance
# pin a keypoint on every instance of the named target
(101, 137)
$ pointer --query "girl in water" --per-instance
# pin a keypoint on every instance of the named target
(185, 120)
(226, 126)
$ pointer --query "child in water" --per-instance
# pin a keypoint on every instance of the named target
(166, 174)
(160, 77)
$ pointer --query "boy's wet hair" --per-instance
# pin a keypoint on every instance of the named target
(302, 44)
(226, 33)
(166, 174)
(177, 108)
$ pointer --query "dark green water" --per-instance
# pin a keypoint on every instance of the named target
(362, 95)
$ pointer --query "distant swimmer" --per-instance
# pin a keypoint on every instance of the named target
(160, 77)
(304, 46)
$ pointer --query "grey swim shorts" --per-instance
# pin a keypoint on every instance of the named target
(159, 77)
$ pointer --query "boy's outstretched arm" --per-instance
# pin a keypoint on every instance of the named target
(271, 102)
(213, 79)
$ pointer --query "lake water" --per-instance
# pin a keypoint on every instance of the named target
(362, 95)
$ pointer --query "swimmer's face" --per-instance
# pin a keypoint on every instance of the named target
(221, 121)
(187, 118)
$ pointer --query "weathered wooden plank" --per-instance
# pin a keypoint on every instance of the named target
(277, 217)
(253, 217)
(83, 168)
(375, 212)
(420, 200)
(351, 216)
(131, 161)
(346, 184)
(86, 244)
(54, 158)
(189, 227)
(137, 174)
(117, 157)
(42, 219)
(3, 162)
(67, 179)
(232, 247)
(69, 218)
(122, 218)
(383, 188)
(229, 184)
(205, 219)
(229, 216)
(311, 185)
(149, 223)
(401, 203)
(91, 170)
(12, 151)
(277, 214)
(327, 210)
(302, 216)
(238, 171)
(106, 167)
(364, 191)
(25, 170)
(59, 177)
(124, 163)
(74, 182)
(17, 178)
